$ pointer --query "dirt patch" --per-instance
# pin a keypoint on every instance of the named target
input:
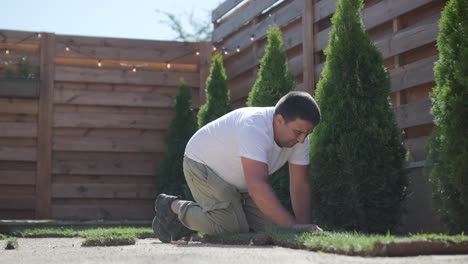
(415, 248)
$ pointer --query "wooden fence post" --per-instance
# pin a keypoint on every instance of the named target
(204, 69)
(308, 46)
(397, 62)
(44, 137)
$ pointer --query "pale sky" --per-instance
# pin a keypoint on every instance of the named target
(133, 19)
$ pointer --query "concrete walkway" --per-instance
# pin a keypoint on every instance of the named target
(69, 250)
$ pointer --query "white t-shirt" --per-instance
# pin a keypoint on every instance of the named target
(245, 132)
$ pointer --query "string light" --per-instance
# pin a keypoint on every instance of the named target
(69, 48)
(225, 50)
(238, 49)
(252, 37)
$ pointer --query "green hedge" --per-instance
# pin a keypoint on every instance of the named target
(183, 125)
(447, 161)
(356, 151)
(217, 93)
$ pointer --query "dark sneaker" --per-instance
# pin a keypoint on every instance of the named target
(161, 233)
(168, 222)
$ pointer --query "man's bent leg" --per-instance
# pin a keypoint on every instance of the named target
(218, 208)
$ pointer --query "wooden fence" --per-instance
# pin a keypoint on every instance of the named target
(82, 137)
(404, 31)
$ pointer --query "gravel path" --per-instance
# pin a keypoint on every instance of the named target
(69, 250)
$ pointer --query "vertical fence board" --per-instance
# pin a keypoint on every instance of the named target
(44, 146)
(308, 47)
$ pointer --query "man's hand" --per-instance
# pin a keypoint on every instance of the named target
(307, 227)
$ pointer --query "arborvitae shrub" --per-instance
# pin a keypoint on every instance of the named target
(217, 93)
(183, 125)
(448, 145)
(356, 151)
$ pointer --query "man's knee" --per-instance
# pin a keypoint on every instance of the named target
(228, 220)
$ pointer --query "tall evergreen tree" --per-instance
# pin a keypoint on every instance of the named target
(217, 93)
(356, 152)
(183, 125)
(273, 82)
(448, 145)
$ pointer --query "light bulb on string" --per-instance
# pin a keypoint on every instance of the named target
(67, 48)
(225, 50)
(99, 63)
(7, 51)
(252, 37)
(39, 35)
(214, 48)
(238, 49)
(197, 53)
(168, 65)
(134, 69)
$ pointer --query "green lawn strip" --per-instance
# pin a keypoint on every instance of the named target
(115, 236)
(104, 239)
(349, 243)
(112, 236)
(44, 232)
(353, 244)
(12, 243)
(356, 244)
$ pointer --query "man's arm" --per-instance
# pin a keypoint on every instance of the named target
(300, 192)
(256, 174)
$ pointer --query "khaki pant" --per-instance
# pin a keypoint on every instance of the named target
(220, 207)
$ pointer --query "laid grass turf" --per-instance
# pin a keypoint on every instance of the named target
(114, 236)
(347, 243)
(330, 242)
(350, 243)
(45, 232)
(106, 238)
(12, 243)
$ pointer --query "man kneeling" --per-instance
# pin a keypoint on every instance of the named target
(226, 166)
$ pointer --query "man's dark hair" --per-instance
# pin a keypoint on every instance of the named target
(297, 104)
